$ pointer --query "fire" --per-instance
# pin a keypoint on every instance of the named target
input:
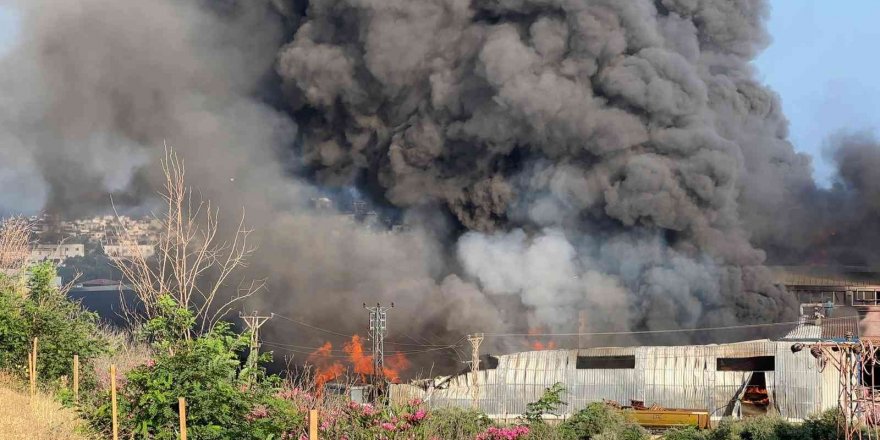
(360, 363)
(326, 369)
(537, 344)
(394, 365)
(756, 395)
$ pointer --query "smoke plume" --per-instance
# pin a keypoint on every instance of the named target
(547, 157)
(599, 152)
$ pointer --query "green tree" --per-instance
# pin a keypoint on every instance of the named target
(42, 310)
(549, 403)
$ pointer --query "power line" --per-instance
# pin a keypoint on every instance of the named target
(347, 335)
(639, 332)
(416, 345)
(305, 324)
(311, 350)
(294, 350)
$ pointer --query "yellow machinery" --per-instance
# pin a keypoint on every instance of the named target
(669, 418)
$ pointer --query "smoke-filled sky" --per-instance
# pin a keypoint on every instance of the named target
(625, 159)
(815, 62)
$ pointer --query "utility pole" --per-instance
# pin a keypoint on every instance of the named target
(475, 341)
(378, 329)
(253, 323)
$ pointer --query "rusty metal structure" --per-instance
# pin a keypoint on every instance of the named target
(855, 360)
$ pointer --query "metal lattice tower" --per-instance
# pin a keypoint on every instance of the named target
(253, 323)
(378, 330)
(475, 341)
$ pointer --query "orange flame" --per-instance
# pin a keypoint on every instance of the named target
(537, 344)
(394, 365)
(326, 369)
(361, 363)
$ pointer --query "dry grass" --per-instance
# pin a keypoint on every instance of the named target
(124, 352)
(35, 419)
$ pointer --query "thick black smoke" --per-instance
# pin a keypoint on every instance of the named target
(837, 226)
(548, 156)
(601, 152)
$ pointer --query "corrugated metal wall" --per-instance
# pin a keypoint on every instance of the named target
(673, 377)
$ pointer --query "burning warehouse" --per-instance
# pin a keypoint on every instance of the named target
(725, 380)
(818, 363)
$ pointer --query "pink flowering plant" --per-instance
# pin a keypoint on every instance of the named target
(507, 433)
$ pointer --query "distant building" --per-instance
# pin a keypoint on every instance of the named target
(56, 253)
(129, 250)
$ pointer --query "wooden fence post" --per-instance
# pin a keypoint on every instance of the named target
(113, 400)
(76, 378)
(34, 371)
(181, 407)
(31, 372)
(313, 424)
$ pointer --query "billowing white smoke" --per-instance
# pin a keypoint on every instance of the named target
(549, 276)
(620, 283)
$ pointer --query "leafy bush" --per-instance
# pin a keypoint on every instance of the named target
(626, 431)
(549, 403)
(600, 419)
(41, 310)
(205, 370)
(822, 427)
(453, 423)
(688, 433)
(543, 431)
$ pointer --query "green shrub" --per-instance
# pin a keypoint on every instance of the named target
(626, 431)
(595, 419)
(454, 423)
(771, 427)
(688, 433)
(543, 431)
(41, 310)
(821, 427)
(549, 403)
(206, 370)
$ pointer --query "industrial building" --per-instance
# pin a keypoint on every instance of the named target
(726, 380)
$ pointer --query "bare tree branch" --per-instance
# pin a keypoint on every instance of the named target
(192, 264)
(15, 241)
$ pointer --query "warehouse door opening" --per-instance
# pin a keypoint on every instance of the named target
(755, 400)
